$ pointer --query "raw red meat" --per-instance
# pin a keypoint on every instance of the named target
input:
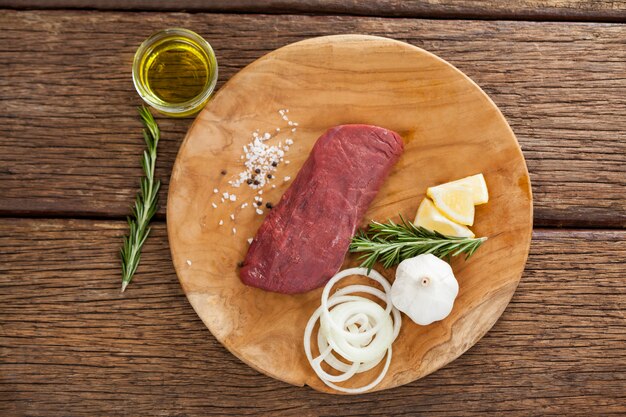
(303, 240)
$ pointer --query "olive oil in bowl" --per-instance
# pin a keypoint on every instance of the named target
(175, 71)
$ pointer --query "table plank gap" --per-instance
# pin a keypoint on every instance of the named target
(536, 10)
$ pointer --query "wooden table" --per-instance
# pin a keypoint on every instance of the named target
(72, 345)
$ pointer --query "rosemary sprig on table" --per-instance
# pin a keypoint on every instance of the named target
(391, 243)
(145, 203)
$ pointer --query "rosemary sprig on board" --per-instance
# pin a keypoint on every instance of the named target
(145, 203)
(391, 243)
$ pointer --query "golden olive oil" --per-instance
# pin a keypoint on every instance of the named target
(176, 73)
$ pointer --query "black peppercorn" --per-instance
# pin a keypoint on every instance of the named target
(223, 172)
(269, 205)
(258, 171)
(249, 181)
(256, 182)
(274, 164)
(259, 203)
(239, 264)
(269, 176)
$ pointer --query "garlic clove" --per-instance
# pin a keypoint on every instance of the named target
(425, 289)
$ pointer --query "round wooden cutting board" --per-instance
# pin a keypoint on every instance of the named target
(451, 129)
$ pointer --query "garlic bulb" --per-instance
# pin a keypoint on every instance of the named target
(424, 289)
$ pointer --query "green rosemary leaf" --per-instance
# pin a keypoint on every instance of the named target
(146, 202)
(390, 243)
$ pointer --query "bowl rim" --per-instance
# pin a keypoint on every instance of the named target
(190, 106)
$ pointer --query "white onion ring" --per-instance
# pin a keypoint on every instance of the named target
(354, 328)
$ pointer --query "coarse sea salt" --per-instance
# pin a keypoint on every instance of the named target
(260, 158)
(188, 262)
(250, 240)
(259, 161)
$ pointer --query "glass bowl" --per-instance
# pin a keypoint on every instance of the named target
(173, 94)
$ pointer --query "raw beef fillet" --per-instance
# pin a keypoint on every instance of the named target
(303, 240)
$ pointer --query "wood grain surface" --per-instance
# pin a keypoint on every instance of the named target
(450, 130)
(71, 344)
(586, 10)
(561, 86)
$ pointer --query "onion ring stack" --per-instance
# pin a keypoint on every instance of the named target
(353, 328)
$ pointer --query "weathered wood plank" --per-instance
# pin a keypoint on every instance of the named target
(71, 344)
(69, 135)
(581, 10)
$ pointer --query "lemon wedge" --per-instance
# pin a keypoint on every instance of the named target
(430, 217)
(456, 202)
(475, 183)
